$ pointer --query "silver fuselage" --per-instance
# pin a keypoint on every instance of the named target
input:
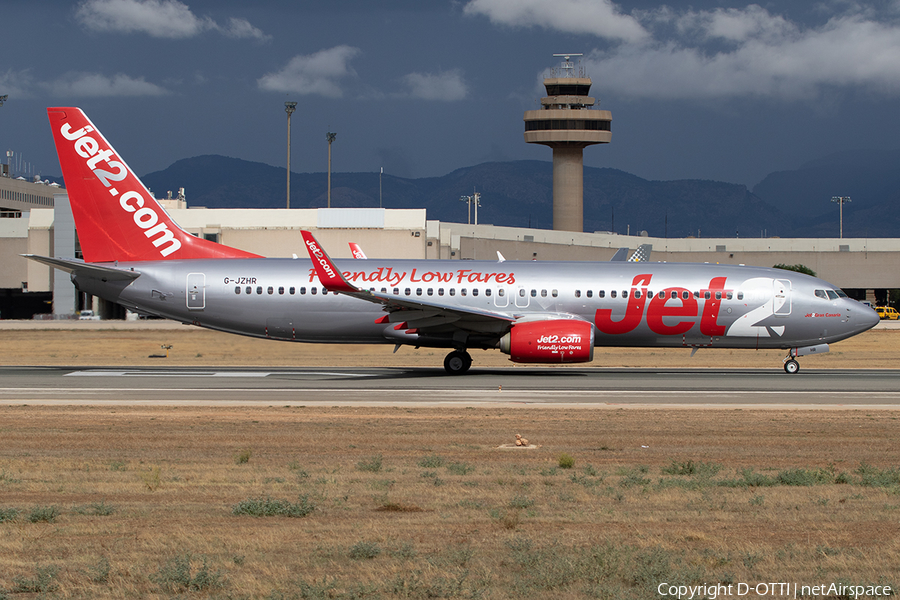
(630, 304)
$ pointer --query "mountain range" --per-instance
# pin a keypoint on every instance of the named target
(793, 203)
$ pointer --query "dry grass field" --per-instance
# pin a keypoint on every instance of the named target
(298, 502)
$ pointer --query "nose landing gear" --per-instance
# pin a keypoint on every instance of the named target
(457, 362)
(791, 366)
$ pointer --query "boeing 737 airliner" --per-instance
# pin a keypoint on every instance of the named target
(537, 312)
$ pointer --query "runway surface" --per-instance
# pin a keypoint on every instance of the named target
(531, 386)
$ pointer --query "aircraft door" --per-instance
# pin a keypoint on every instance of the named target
(782, 299)
(196, 291)
(522, 298)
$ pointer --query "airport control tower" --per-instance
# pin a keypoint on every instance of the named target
(568, 123)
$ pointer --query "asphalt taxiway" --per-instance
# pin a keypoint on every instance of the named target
(529, 386)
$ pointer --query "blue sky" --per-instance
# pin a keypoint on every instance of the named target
(714, 90)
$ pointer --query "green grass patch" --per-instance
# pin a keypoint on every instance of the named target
(273, 507)
(372, 464)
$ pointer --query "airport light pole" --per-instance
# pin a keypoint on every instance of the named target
(476, 200)
(289, 108)
(330, 137)
(841, 200)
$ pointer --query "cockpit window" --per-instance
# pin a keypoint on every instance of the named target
(841, 294)
(821, 294)
(832, 295)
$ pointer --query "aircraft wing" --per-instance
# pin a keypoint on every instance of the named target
(408, 313)
(79, 267)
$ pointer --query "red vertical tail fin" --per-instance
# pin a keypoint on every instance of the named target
(116, 217)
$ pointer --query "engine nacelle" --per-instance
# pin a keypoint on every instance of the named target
(557, 341)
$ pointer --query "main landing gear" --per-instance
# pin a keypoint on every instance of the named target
(791, 365)
(457, 362)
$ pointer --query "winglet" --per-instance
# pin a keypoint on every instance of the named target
(357, 251)
(330, 276)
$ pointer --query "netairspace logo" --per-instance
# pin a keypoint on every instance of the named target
(772, 590)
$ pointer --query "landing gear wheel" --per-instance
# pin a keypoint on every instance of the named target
(791, 366)
(457, 362)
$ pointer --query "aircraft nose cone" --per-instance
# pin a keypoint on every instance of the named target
(868, 317)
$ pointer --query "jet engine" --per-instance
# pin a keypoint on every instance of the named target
(556, 341)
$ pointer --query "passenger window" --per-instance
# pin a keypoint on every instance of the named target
(462, 292)
(718, 295)
(674, 294)
(590, 293)
(440, 291)
(697, 295)
(259, 289)
(249, 290)
(706, 295)
(578, 293)
(650, 295)
(522, 293)
(475, 292)
(601, 294)
(291, 291)
(612, 294)
(625, 294)
(685, 295)
(637, 293)
(740, 295)
(452, 291)
(396, 291)
(430, 291)
(728, 295)
(543, 293)
(408, 291)
(534, 293)
(303, 291)
(501, 292)
(418, 291)
(280, 291)
(237, 290)
(270, 290)
(554, 293)
(313, 290)
(487, 292)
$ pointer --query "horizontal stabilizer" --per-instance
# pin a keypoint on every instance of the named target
(621, 255)
(79, 267)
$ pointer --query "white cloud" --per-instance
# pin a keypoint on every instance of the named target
(447, 86)
(158, 18)
(765, 56)
(318, 73)
(720, 53)
(242, 29)
(594, 17)
(94, 85)
(15, 83)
